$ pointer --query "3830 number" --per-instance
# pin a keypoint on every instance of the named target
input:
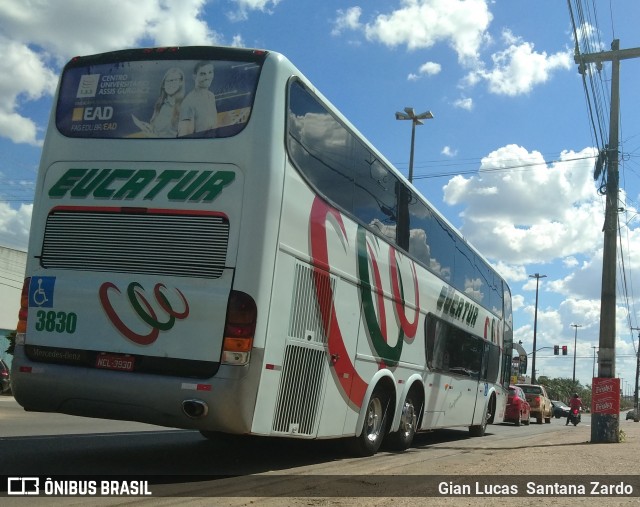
(60, 322)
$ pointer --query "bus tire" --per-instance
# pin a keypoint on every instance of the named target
(479, 430)
(374, 425)
(401, 440)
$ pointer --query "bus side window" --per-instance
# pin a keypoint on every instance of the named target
(312, 145)
(452, 349)
(437, 343)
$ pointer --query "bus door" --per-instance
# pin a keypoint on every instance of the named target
(454, 358)
(460, 402)
(465, 357)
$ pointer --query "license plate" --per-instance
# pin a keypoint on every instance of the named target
(115, 362)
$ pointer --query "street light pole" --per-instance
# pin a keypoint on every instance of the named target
(535, 328)
(575, 342)
(416, 119)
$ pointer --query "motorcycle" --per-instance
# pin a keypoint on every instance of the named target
(574, 416)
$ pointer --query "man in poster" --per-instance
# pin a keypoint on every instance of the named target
(198, 112)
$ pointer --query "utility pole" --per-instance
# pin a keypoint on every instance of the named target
(575, 344)
(537, 276)
(635, 393)
(605, 427)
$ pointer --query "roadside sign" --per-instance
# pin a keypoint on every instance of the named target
(605, 396)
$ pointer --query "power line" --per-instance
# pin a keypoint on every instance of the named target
(500, 169)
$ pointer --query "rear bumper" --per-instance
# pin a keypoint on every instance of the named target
(146, 398)
(511, 413)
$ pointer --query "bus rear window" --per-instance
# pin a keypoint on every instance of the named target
(156, 98)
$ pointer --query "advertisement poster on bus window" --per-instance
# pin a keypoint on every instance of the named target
(157, 99)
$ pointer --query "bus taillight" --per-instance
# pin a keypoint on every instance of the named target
(21, 329)
(239, 328)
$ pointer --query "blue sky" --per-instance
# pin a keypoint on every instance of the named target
(508, 157)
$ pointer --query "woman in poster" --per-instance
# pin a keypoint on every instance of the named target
(166, 111)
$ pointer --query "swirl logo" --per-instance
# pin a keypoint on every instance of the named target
(376, 321)
(325, 220)
(144, 310)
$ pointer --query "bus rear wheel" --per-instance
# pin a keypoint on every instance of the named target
(374, 425)
(479, 430)
(402, 439)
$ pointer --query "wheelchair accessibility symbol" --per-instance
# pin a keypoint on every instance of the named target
(41, 291)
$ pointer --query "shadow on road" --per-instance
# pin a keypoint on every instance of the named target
(174, 452)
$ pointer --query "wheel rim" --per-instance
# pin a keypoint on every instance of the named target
(487, 416)
(374, 420)
(408, 419)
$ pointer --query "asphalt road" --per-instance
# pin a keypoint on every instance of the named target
(183, 463)
(42, 443)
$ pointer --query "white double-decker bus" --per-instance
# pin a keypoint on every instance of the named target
(214, 246)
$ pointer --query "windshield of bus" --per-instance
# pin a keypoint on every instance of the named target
(156, 97)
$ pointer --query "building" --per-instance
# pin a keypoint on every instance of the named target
(12, 269)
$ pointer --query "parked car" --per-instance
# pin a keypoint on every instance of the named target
(560, 409)
(5, 378)
(518, 410)
(631, 415)
(539, 400)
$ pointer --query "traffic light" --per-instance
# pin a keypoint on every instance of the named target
(564, 350)
(556, 349)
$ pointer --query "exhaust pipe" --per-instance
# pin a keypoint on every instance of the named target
(195, 409)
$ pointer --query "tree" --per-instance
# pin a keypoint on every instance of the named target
(562, 389)
(12, 342)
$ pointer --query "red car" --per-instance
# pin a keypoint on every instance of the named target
(518, 409)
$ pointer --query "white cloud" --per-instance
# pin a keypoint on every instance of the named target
(14, 225)
(237, 41)
(532, 212)
(590, 38)
(584, 312)
(23, 76)
(584, 281)
(518, 68)
(430, 68)
(513, 273)
(244, 6)
(447, 151)
(39, 37)
(517, 302)
(464, 26)
(426, 69)
(464, 103)
(421, 24)
(180, 22)
(347, 20)
(77, 27)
